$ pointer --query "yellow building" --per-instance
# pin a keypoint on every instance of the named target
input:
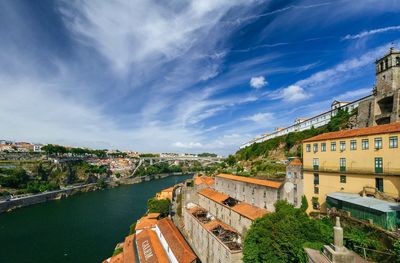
(365, 161)
(165, 194)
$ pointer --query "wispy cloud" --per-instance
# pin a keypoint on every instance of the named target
(260, 117)
(372, 32)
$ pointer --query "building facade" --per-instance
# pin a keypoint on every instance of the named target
(362, 161)
(257, 192)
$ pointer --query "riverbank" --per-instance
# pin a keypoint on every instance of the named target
(19, 202)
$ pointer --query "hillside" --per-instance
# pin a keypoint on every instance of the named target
(262, 159)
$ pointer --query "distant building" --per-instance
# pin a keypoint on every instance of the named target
(364, 160)
(165, 194)
(301, 124)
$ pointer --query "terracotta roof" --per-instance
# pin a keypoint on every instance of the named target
(249, 211)
(204, 180)
(176, 242)
(381, 129)
(170, 189)
(213, 195)
(128, 250)
(153, 215)
(296, 162)
(145, 222)
(117, 258)
(268, 183)
(149, 248)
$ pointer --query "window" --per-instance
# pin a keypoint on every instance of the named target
(342, 164)
(378, 143)
(365, 144)
(323, 147)
(393, 142)
(333, 146)
(316, 178)
(397, 61)
(308, 148)
(316, 163)
(353, 145)
(316, 190)
(379, 184)
(315, 147)
(343, 179)
(342, 146)
(378, 165)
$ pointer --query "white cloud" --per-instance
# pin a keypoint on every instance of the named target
(260, 117)
(190, 145)
(258, 82)
(371, 32)
(292, 93)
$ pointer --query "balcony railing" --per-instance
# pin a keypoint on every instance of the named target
(387, 170)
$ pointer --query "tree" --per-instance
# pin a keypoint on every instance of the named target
(158, 206)
(231, 160)
(132, 228)
(281, 236)
(304, 203)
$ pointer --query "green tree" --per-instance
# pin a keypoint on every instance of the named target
(158, 206)
(304, 203)
(281, 236)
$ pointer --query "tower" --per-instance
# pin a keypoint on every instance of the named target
(387, 90)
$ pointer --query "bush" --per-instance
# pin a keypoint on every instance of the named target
(117, 251)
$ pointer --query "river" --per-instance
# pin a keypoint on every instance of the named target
(82, 228)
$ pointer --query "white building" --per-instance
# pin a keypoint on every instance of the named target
(302, 124)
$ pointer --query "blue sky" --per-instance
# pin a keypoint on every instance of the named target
(182, 76)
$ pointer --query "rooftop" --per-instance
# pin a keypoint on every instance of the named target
(381, 129)
(295, 162)
(149, 248)
(148, 221)
(249, 180)
(369, 202)
(249, 211)
(245, 209)
(176, 242)
(204, 180)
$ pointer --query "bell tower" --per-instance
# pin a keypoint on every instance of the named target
(387, 89)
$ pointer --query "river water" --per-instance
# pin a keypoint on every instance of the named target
(82, 228)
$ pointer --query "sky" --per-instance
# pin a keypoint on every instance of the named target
(182, 76)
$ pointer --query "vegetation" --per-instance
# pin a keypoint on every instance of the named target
(338, 122)
(56, 150)
(13, 178)
(148, 155)
(159, 206)
(132, 228)
(283, 235)
(117, 251)
(207, 155)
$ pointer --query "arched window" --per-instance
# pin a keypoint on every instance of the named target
(381, 65)
(386, 63)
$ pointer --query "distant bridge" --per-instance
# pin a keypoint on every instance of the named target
(154, 160)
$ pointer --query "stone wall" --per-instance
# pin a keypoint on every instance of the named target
(240, 223)
(257, 195)
(43, 197)
(207, 246)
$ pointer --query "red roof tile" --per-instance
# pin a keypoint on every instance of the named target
(374, 130)
(149, 248)
(176, 242)
(268, 183)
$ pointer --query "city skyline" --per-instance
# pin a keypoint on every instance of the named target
(182, 77)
